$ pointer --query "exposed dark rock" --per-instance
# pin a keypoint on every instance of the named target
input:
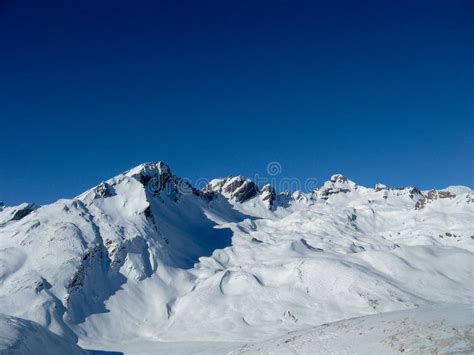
(338, 178)
(268, 194)
(357, 248)
(23, 211)
(451, 235)
(154, 176)
(469, 198)
(117, 253)
(325, 193)
(84, 297)
(104, 190)
(337, 184)
(310, 247)
(431, 196)
(415, 192)
(147, 212)
(41, 285)
(446, 194)
(158, 179)
(215, 185)
(234, 183)
(245, 192)
(239, 188)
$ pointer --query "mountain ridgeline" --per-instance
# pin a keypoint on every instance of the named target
(147, 255)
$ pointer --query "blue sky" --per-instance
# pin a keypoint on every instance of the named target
(376, 90)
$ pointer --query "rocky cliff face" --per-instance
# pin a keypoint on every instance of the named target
(238, 188)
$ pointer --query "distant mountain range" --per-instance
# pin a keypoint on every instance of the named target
(147, 257)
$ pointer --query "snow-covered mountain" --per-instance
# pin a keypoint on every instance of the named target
(147, 257)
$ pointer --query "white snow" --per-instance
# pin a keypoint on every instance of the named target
(23, 337)
(138, 260)
(432, 330)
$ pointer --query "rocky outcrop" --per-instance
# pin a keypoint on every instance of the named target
(157, 178)
(238, 188)
(245, 191)
(22, 211)
(154, 176)
(469, 198)
(268, 195)
(104, 190)
(92, 283)
(338, 183)
(338, 179)
(431, 196)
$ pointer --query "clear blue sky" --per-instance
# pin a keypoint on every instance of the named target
(376, 90)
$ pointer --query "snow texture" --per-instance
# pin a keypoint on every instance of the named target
(20, 336)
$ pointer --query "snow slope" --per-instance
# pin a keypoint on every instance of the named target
(145, 256)
(21, 337)
(434, 330)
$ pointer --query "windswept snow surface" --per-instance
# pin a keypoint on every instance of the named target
(432, 330)
(144, 258)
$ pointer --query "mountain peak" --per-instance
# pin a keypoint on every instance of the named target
(238, 188)
(338, 178)
(150, 169)
(339, 181)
